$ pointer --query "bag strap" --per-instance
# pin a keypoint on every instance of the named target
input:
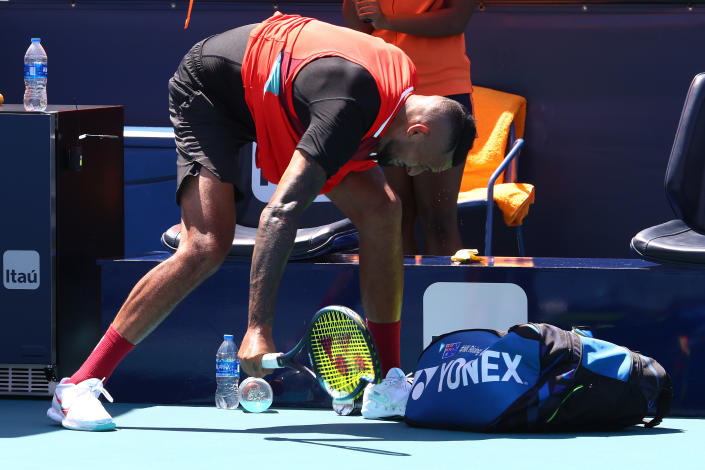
(663, 407)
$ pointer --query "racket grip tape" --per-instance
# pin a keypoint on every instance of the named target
(271, 360)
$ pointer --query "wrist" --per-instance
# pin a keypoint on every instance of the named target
(383, 23)
(259, 329)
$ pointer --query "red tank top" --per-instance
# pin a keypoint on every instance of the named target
(276, 51)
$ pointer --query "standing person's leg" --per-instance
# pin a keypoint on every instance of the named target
(208, 223)
(403, 185)
(369, 202)
(437, 210)
(437, 203)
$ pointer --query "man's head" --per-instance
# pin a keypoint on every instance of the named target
(430, 133)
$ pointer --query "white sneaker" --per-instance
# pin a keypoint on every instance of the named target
(386, 399)
(77, 406)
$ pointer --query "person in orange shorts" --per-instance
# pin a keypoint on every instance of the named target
(431, 33)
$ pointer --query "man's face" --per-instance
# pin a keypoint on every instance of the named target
(416, 156)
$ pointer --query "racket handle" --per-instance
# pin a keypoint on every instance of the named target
(271, 360)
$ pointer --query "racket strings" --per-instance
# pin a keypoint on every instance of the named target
(340, 352)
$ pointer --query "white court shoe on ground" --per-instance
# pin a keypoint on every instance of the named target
(77, 407)
(387, 399)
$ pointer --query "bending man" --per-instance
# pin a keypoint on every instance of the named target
(324, 103)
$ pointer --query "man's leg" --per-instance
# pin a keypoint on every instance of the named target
(437, 210)
(207, 230)
(375, 209)
(403, 185)
(208, 223)
(369, 202)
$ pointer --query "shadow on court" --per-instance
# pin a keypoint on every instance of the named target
(19, 418)
(27, 417)
(354, 435)
(400, 431)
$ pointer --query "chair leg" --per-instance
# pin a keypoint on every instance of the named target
(520, 240)
(488, 226)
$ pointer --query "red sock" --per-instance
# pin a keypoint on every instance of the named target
(386, 336)
(104, 358)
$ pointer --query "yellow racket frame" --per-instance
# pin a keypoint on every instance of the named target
(342, 352)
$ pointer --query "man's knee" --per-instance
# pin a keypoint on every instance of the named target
(438, 215)
(384, 213)
(204, 251)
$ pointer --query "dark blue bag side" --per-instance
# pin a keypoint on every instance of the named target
(559, 357)
(588, 384)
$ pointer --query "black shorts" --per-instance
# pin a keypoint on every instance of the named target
(205, 135)
(464, 99)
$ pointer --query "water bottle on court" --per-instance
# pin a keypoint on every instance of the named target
(227, 375)
(35, 77)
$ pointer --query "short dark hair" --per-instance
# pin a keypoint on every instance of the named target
(462, 130)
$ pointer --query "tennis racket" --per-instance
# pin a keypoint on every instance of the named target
(341, 351)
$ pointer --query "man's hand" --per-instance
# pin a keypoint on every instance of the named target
(451, 19)
(369, 12)
(256, 343)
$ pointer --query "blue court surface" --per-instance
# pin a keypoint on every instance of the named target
(199, 437)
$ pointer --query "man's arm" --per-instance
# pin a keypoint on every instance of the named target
(352, 20)
(447, 21)
(301, 182)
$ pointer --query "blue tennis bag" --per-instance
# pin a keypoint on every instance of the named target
(535, 378)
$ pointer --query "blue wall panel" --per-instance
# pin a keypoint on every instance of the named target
(149, 211)
(150, 185)
(604, 85)
(604, 90)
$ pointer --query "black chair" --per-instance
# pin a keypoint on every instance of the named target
(324, 229)
(682, 241)
(310, 242)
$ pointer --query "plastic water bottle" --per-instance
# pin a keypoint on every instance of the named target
(227, 375)
(35, 77)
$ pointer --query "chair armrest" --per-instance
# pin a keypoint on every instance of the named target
(510, 173)
(490, 193)
(513, 153)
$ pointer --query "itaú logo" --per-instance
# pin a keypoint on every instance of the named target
(20, 269)
(489, 367)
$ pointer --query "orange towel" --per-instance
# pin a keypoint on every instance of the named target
(513, 199)
(494, 113)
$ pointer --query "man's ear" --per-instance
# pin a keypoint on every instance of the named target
(418, 129)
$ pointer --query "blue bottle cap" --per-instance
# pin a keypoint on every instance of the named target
(228, 337)
(36, 39)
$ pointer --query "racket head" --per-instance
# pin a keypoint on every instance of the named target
(342, 352)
